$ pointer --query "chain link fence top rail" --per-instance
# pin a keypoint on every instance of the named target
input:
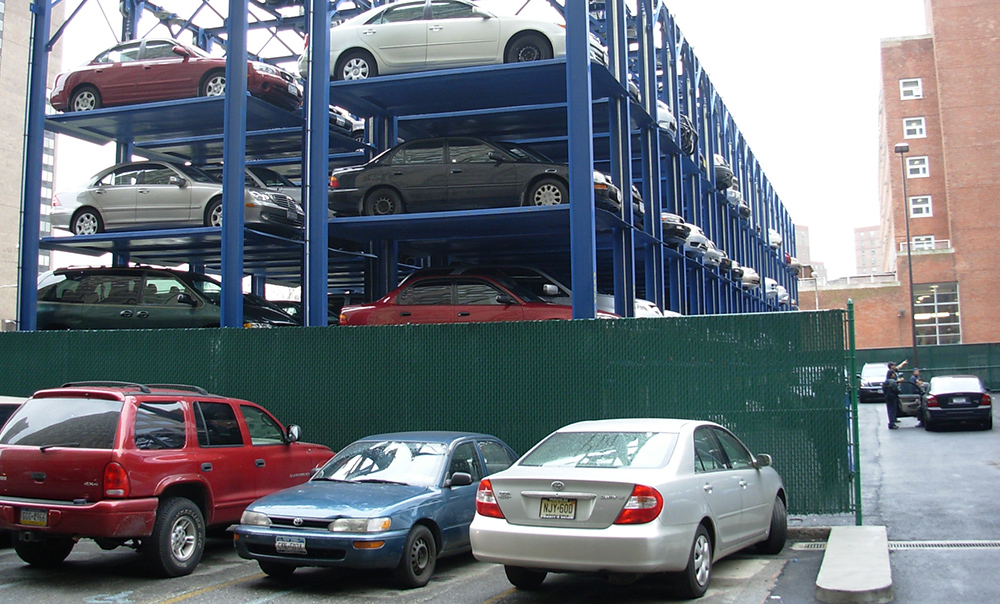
(777, 380)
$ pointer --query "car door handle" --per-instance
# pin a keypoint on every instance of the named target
(143, 191)
(368, 32)
(456, 171)
(743, 484)
(464, 314)
(397, 173)
(125, 313)
(435, 28)
(405, 314)
(260, 463)
(707, 488)
(206, 467)
(142, 314)
(98, 191)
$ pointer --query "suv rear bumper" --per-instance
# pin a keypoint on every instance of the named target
(121, 518)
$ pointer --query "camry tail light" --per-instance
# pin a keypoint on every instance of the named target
(643, 505)
(486, 501)
(932, 401)
(116, 483)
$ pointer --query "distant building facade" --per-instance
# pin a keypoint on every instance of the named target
(868, 250)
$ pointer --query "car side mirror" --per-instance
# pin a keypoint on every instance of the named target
(181, 52)
(480, 13)
(550, 290)
(177, 180)
(497, 157)
(186, 299)
(505, 300)
(460, 479)
(763, 460)
(294, 433)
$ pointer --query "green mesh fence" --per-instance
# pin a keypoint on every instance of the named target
(777, 380)
(978, 359)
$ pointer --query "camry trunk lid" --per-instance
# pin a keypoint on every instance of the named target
(567, 501)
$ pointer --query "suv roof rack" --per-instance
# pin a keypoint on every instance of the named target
(141, 387)
(196, 389)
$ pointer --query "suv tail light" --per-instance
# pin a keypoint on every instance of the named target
(932, 401)
(116, 483)
(486, 501)
(643, 505)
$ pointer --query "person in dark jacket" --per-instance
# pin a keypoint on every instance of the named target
(891, 390)
(918, 385)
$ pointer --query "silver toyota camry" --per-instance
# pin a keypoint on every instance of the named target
(626, 497)
(158, 194)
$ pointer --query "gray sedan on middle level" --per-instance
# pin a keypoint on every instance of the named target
(159, 194)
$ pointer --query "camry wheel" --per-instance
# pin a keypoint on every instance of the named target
(356, 65)
(419, 558)
(548, 192)
(213, 213)
(214, 84)
(86, 221)
(85, 98)
(528, 47)
(382, 202)
(524, 578)
(693, 581)
(178, 539)
(44, 554)
(778, 532)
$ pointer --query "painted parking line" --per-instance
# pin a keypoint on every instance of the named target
(204, 590)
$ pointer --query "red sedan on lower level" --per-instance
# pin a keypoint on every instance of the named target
(434, 296)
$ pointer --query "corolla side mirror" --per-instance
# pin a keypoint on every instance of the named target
(763, 460)
(460, 479)
(294, 433)
(550, 290)
(186, 299)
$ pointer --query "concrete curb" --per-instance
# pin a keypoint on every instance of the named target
(855, 567)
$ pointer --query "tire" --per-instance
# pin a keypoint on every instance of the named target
(355, 65)
(419, 558)
(988, 424)
(44, 554)
(213, 213)
(277, 570)
(528, 47)
(86, 221)
(547, 192)
(85, 98)
(778, 532)
(928, 424)
(524, 578)
(214, 84)
(178, 540)
(382, 202)
(693, 581)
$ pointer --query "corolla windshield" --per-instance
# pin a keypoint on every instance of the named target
(404, 462)
(603, 450)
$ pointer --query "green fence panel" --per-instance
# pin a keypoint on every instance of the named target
(982, 360)
(778, 380)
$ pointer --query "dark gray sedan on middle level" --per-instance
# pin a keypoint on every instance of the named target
(441, 174)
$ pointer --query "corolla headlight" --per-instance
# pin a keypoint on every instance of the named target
(360, 525)
(265, 68)
(255, 519)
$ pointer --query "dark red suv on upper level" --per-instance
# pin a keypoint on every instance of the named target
(148, 466)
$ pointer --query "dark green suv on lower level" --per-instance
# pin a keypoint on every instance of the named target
(141, 298)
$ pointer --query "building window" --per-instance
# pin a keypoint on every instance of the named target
(920, 206)
(914, 127)
(936, 314)
(923, 242)
(911, 89)
(916, 167)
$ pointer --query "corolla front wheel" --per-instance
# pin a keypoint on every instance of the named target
(86, 221)
(419, 558)
(277, 570)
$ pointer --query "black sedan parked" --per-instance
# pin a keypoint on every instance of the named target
(955, 399)
(441, 174)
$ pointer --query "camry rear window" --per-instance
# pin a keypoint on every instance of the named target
(63, 422)
(603, 450)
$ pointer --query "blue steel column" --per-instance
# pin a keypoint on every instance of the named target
(621, 161)
(650, 154)
(31, 199)
(234, 158)
(315, 279)
(130, 10)
(583, 240)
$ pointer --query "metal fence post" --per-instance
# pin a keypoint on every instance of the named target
(855, 432)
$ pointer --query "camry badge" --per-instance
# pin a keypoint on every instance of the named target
(557, 485)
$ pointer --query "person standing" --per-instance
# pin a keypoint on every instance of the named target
(918, 385)
(890, 387)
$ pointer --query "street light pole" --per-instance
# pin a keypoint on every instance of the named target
(903, 149)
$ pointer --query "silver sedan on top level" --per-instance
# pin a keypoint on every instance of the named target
(158, 194)
(627, 496)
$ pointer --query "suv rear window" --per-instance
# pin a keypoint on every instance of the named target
(68, 422)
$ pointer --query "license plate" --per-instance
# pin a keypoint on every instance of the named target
(34, 517)
(564, 509)
(290, 545)
(960, 400)
(293, 89)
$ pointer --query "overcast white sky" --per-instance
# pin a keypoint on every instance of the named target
(801, 78)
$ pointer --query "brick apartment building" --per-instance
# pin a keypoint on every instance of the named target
(939, 96)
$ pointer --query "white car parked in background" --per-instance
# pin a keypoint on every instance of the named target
(625, 496)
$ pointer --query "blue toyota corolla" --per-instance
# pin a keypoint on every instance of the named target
(396, 501)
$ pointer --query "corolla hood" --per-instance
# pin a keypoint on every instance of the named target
(325, 499)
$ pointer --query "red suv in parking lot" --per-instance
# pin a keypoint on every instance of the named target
(148, 466)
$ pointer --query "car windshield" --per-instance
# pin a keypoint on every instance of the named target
(66, 422)
(523, 153)
(603, 450)
(874, 371)
(404, 462)
(955, 384)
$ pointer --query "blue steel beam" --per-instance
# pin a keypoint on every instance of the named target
(650, 153)
(234, 158)
(31, 200)
(619, 128)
